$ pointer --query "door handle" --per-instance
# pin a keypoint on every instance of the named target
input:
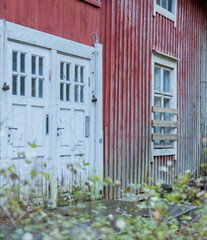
(60, 128)
(47, 124)
(13, 128)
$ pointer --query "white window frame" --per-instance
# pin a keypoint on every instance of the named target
(166, 13)
(96, 3)
(167, 61)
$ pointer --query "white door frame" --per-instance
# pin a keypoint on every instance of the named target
(14, 32)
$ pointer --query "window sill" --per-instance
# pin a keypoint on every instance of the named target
(164, 152)
(93, 2)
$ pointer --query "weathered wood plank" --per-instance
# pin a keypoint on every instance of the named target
(164, 110)
(162, 137)
(159, 123)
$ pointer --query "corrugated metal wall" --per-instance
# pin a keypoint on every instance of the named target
(191, 41)
(131, 33)
(127, 84)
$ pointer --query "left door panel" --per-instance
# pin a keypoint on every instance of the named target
(28, 107)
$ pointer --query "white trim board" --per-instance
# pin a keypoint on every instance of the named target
(161, 54)
(163, 152)
(15, 32)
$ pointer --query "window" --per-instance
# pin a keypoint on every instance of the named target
(164, 102)
(18, 73)
(96, 3)
(79, 84)
(65, 81)
(167, 8)
(72, 82)
(166, 4)
(163, 77)
(37, 76)
(21, 74)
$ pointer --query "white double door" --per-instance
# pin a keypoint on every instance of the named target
(47, 105)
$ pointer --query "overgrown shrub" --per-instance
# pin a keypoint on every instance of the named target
(85, 218)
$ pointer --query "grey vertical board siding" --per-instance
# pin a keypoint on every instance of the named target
(203, 98)
(160, 174)
(131, 33)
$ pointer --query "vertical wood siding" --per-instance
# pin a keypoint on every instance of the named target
(129, 32)
(72, 19)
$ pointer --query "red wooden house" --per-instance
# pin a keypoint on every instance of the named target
(120, 85)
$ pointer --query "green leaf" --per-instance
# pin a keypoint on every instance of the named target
(174, 227)
(33, 173)
(107, 180)
(47, 177)
(33, 145)
(27, 161)
(10, 168)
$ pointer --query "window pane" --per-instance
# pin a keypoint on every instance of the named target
(68, 72)
(158, 2)
(33, 90)
(40, 88)
(67, 92)
(41, 66)
(170, 6)
(82, 94)
(22, 64)
(61, 91)
(82, 75)
(157, 79)
(61, 70)
(76, 93)
(14, 85)
(167, 130)
(33, 64)
(157, 130)
(167, 117)
(76, 73)
(14, 61)
(157, 116)
(167, 102)
(22, 86)
(166, 81)
(157, 103)
(164, 4)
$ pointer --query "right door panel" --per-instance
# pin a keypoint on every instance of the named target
(73, 105)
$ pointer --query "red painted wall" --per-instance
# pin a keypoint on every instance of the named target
(129, 32)
(72, 19)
